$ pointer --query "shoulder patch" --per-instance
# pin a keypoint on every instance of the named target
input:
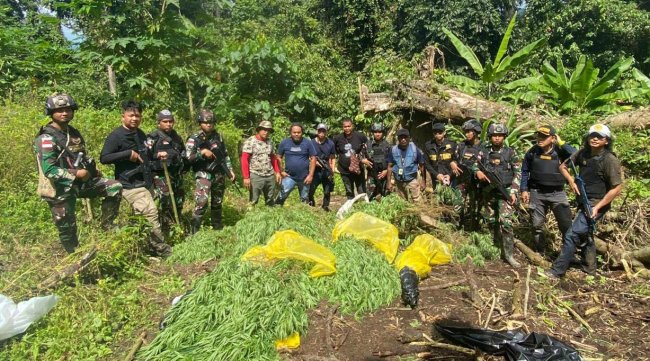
(46, 142)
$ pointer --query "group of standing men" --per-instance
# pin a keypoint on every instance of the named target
(489, 177)
(146, 167)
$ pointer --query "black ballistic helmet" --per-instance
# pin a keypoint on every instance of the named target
(377, 127)
(474, 125)
(59, 101)
(497, 128)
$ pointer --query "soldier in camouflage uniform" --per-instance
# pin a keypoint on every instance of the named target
(62, 157)
(464, 159)
(165, 145)
(206, 152)
(505, 163)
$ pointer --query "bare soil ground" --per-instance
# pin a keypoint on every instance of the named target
(612, 306)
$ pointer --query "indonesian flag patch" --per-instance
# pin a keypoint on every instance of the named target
(46, 144)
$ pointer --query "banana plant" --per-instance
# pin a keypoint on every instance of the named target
(581, 90)
(490, 72)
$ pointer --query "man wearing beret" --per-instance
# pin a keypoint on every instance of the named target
(166, 146)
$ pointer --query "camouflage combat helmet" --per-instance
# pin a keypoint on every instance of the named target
(497, 128)
(206, 116)
(377, 127)
(59, 101)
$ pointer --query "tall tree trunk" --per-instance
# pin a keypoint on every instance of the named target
(111, 80)
(190, 102)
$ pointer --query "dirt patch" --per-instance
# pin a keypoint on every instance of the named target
(156, 270)
(612, 307)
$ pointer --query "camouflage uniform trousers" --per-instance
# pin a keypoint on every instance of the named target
(161, 192)
(467, 204)
(208, 187)
(63, 208)
(499, 214)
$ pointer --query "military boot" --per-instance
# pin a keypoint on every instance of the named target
(110, 209)
(589, 260)
(508, 248)
(540, 241)
(195, 225)
(216, 220)
(157, 242)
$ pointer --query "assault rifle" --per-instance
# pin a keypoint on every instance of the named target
(325, 166)
(495, 181)
(218, 165)
(86, 163)
(583, 199)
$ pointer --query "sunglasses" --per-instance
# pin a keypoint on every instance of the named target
(597, 136)
(542, 136)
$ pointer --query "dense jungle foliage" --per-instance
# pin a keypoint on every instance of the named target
(282, 60)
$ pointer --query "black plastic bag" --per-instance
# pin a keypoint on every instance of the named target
(410, 291)
(514, 345)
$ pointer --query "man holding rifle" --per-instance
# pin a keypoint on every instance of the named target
(325, 163)
(126, 148)
(166, 148)
(597, 183)
(376, 159)
(498, 168)
(206, 152)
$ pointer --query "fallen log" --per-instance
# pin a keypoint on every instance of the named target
(68, 271)
(636, 119)
(615, 255)
(442, 102)
(534, 257)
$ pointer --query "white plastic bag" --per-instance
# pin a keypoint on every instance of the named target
(15, 319)
(345, 208)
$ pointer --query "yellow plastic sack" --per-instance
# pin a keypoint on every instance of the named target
(291, 342)
(382, 235)
(425, 251)
(290, 244)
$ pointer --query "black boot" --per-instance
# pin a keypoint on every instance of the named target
(215, 218)
(195, 225)
(110, 209)
(540, 241)
(589, 262)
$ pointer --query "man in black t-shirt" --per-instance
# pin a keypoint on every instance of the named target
(126, 148)
(349, 145)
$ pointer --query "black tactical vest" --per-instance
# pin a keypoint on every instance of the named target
(499, 162)
(170, 143)
(441, 156)
(468, 154)
(545, 170)
(215, 144)
(378, 153)
(591, 174)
